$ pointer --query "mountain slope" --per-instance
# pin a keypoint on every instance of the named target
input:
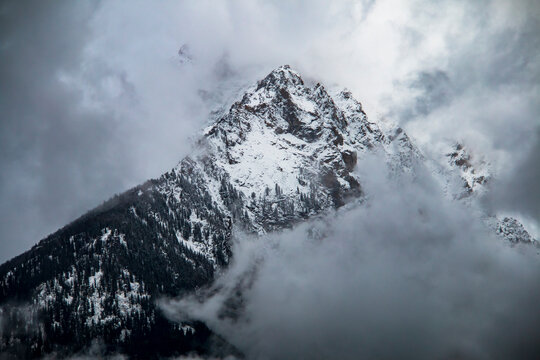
(284, 152)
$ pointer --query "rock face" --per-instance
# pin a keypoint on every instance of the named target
(289, 150)
(473, 174)
(283, 153)
(513, 231)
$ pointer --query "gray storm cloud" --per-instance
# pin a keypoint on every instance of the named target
(94, 99)
(408, 274)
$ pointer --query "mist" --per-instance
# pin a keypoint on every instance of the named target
(96, 99)
(406, 274)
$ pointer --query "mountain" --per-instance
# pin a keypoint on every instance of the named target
(283, 153)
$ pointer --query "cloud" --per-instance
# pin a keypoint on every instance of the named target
(408, 275)
(95, 99)
(486, 63)
(517, 191)
(46, 144)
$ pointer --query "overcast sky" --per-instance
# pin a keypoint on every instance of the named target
(94, 97)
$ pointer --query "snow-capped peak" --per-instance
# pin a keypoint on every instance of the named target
(283, 133)
(282, 153)
(280, 77)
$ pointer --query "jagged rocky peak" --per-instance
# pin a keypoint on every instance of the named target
(473, 170)
(514, 231)
(293, 106)
(285, 132)
(284, 152)
(303, 138)
(348, 103)
(460, 156)
(287, 105)
(281, 77)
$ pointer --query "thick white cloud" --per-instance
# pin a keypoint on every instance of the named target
(407, 275)
(94, 98)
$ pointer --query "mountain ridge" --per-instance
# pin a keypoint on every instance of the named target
(283, 153)
(98, 277)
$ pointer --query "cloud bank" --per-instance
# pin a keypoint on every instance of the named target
(94, 98)
(408, 275)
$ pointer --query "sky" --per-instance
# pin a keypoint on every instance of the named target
(95, 99)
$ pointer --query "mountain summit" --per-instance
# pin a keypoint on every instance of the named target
(283, 153)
